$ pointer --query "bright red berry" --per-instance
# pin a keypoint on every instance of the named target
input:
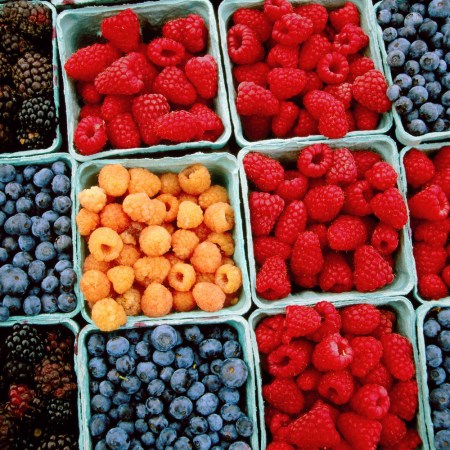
(165, 52)
(333, 352)
(283, 56)
(342, 92)
(256, 73)
(291, 222)
(211, 123)
(266, 246)
(293, 187)
(178, 126)
(371, 401)
(123, 132)
(190, 31)
(365, 119)
(90, 135)
(331, 321)
(309, 379)
(346, 14)
(90, 110)
(404, 399)
(306, 257)
(255, 127)
(284, 395)
(384, 239)
(429, 260)
(365, 160)
(123, 30)
(386, 326)
(357, 198)
(336, 274)
(292, 29)
(343, 169)
(333, 123)
(412, 440)
(350, 40)
(360, 319)
(370, 90)
(389, 206)
(306, 125)
(201, 71)
(88, 93)
(254, 19)
(441, 160)
(324, 203)
(286, 83)
(173, 84)
(315, 160)
(393, 430)
(398, 356)
(382, 176)
(269, 333)
(283, 122)
(316, 102)
(333, 68)
(336, 387)
(442, 179)
(315, 12)
(300, 321)
(113, 105)
(290, 360)
(347, 233)
(265, 172)
(431, 204)
(418, 167)
(243, 45)
(361, 433)
(148, 107)
(275, 9)
(255, 100)
(432, 287)
(279, 446)
(367, 352)
(272, 281)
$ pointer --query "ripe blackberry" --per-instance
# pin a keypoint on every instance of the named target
(30, 140)
(59, 343)
(24, 343)
(5, 67)
(20, 398)
(6, 137)
(55, 377)
(24, 442)
(8, 426)
(37, 114)
(14, 44)
(59, 442)
(59, 411)
(32, 417)
(18, 371)
(8, 103)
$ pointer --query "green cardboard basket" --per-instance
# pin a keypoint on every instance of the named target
(405, 326)
(368, 23)
(288, 152)
(429, 149)
(64, 4)
(56, 144)
(73, 26)
(224, 171)
(45, 160)
(238, 323)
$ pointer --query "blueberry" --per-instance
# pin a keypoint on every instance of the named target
(429, 112)
(244, 426)
(396, 58)
(210, 348)
(43, 177)
(117, 346)
(417, 127)
(26, 243)
(122, 398)
(50, 284)
(9, 207)
(441, 419)
(28, 172)
(202, 442)
(193, 334)
(418, 49)
(384, 17)
(393, 92)
(168, 396)
(125, 365)
(67, 278)
(166, 374)
(22, 260)
(131, 384)
(180, 381)
(408, 32)
(13, 190)
(43, 200)
(32, 305)
(437, 375)
(164, 338)
(13, 281)
(141, 426)
(14, 304)
(434, 89)
(401, 44)
(442, 439)
(60, 266)
(166, 438)
(24, 205)
(239, 445)
(154, 406)
(207, 404)
(440, 397)
(7, 173)
(3, 255)
(444, 340)
(196, 390)
(98, 424)
(2, 198)
(61, 185)
(419, 8)
(96, 344)
(4, 313)
(413, 19)
(100, 404)
(397, 20)
(443, 317)
(234, 372)
(146, 371)
(45, 251)
(127, 426)
(389, 34)
(155, 388)
(212, 383)
(163, 358)
(439, 8)
(433, 355)
(230, 412)
(117, 439)
(182, 443)
(215, 422)
(106, 388)
(180, 408)
(97, 367)
(148, 439)
(232, 349)
(18, 224)
(62, 204)
(158, 423)
(143, 349)
(49, 303)
(429, 61)
(439, 125)
(445, 81)
(418, 95)
(229, 433)
(101, 445)
(184, 357)
(113, 376)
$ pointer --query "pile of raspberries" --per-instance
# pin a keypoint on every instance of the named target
(337, 379)
(137, 94)
(331, 222)
(302, 71)
(429, 193)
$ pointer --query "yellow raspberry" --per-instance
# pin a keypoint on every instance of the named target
(172, 258)
(158, 214)
(142, 180)
(87, 221)
(155, 240)
(151, 269)
(138, 206)
(114, 179)
(225, 242)
(208, 296)
(206, 257)
(214, 194)
(157, 300)
(227, 260)
(172, 204)
(195, 179)
(228, 278)
(131, 235)
(93, 199)
(206, 277)
(219, 217)
(108, 315)
(183, 301)
(105, 244)
(121, 277)
(169, 184)
(189, 215)
(230, 300)
(128, 256)
(182, 277)
(187, 198)
(184, 243)
(112, 216)
(169, 227)
(131, 302)
(90, 263)
(95, 285)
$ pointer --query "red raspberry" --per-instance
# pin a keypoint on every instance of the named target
(365, 119)
(144, 70)
(178, 126)
(333, 122)
(256, 128)
(300, 321)
(255, 100)
(286, 83)
(442, 159)
(316, 102)
(90, 135)
(336, 274)
(318, 15)
(360, 67)
(429, 260)
(113, 105)
(283, 122)
(275, 420)
(265, 172)
(333, 352)
(266, 246)
(442, 179)
(404, 399)
(324, 203)
(123, 30)
(347, 233)
(432, 287)
(343, 169)
(309, 379)
(372, 271)
(367, 352)
(446, 275)
(146, 107)
(256, 73)
(336, 387)
(275, 9)
(370, 90)
(389, 206)
(254, 19)
(291, 222)
(123, 132)
(284, 395)
(357, 198)
(283, 56)
(243, 45)
(410, 442)
(313, 83)
(190, 31)
(342, 92)
(90, 110)
(269, 333)
(419, 168)
(87, 62)
(314, 48)
(321, 230)
(173, 84)
(306, 281)
(371, 401)
(88, 93)
(306, 257)
(378, 375)
(384, 239)
(387, 321)
(290, 360)
(333, 68)
(279, 446)
(382, 176)
(201, 71)
(344, 15)
(350, 40)
(393, 431)
(331, 321)
(365, 160)
(272, 281)
(360, 319)
(359, 432)
(306, 125)
(315, 160)
(292, 29)
(211, 123)
(398, 356)
(431, 203)
(351, 124)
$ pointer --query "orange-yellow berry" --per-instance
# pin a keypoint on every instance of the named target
(142, 180)
(184, 243)
(202, 231)
(187, 198)
(130, 301)
(171, 203)
(157, 300)
(105, 244)
(195, 179)
(183, 301)
(113, 216)
(128, 256)
(219, 217)
(155, 240)
(121, 277)
(227, 260)
(207, 277)
(182, 277)
(230, 300)
(138, 206)
(206, 257)
(169, 184)
(87, 221)
(93, 199)
(158, 214)
(172, 258)
(114, 179)
(228, 278)
(131, 235)
(151, 269)
(95, 285)
(169, 227)
(214, 194)
(108, 315)
(225, 242)
(90, 263)
(190, 215)
(208, 296)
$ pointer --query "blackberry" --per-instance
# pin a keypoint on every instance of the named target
(59, 343)
(25, 343)
(6, 137)
(14, 44)
(55, 377)
(24, 442)
(20, 398)
(8, 426)
(37, 114)
(59, 442)
(18, 371)
(8, 103)
(5, 67)
(30, 140)
(33, 415)
(59, 412)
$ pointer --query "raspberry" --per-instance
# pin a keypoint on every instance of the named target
(272, 281)
(265, 172)
(254, 19)
(404, 399)
(108, 315)
(219, 217)
(315, 160)
(112, 216)
(142, 180)
(243, 45)
(147, 107)
(206, 257)
(225, 242)
(367, 354)
(346, 233)
(361, 433)
(432, 287)
(290, 360)
(431, 203)
(331, 321)
(283, 56)
(309, 379)
(122, 30)
(398, 356)
(291, 222)
(284, 395)
(351, 124)
(105, 244)
(333, 122)
(333, 352)
(300, 321)
(190, 215)
(88, 93)
(151, 269)
(285, 83)
(269, 333)
(94, 285)
(146, 71)
(157, 301)
(256, 72)
(178, 126)
(384, 239)
(344, 15)
(128, 256)
(173, 84)
(202, 73)
(293, 187)
(360, 319)
(382, 176)
(90, 135)
(378, 375)
(113, 105)
(264, 211)
(411, 441)
(90, 110)
(336, 386)
(333, 68)
(371, 401)
(360, 67)
(87, 221)
(275, 9)
(154, 240)
(387, 321)
(370, 90)
(256, 127)
(214, 194)
(86, 63)
(229, 278)
(393, 430)
(350, 40)
(357, 198)
(442, 159)
(365, 160)
(93, 199)
(190, 31)
(267, 246)
(131, 302)
(253, 99)
(446, 275)
(390, 208)
(318, 15)
(336, 274)
(279, 446)
(169, 183)
(419, 168)
(165, 52)
(324, 203)
(123, 132)
(184, 243)
(343, 169)
(183, 301)
(306, 281)
(122, 278)
(314, 48)
(306, 258)
(292, 29)
(114, 179)
(342, 92)
(283, 122)
(195, 179)
(181, 277)
(306, 125)
(365, 119)
(442, 179)
(316, 102)
(429, 260)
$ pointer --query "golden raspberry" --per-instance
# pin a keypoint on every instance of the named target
(206, 257)
(142, 180)
(214, 194)
(184, 243)
(225, 242)
(131, 235)
(87, 221)
(182, 277)
(172, 258)
(157, 300)
(159, 213)
(155, 240)
(227, 260)
(121, 277)
(195, 179)
(131, 302)
(189, 215)
(169, 227)
(172, 204)
(187, 198)
(230, 300)
(183, 301)
(128, 256)
(105, 244)
(114, 179)
(202, 231)
(228, 278)
(95, 285)
(113, 216)
(208, 296)
(108, 315)
(169, 184)
(93, 199)
(206, 277)
(219, 217)
(90, 263)
(151, 269)
(139, 207)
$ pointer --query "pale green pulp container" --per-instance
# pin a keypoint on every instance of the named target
(56, 144)
(75, 26)
(238, 323)
(288, 153)
(405, 326)
(224, 170)
(429, 149)
(48, 160)
(368, 23)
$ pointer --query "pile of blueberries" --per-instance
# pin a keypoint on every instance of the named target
(417, 39)
(172, 388)
(36, 269)
(436, 329)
